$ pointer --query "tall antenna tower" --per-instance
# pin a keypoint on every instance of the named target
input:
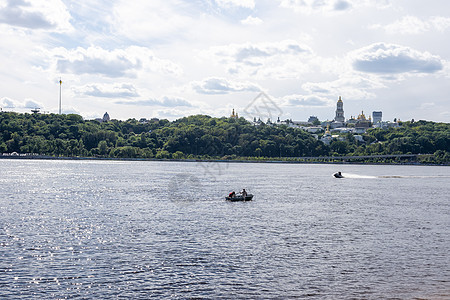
(60, 94)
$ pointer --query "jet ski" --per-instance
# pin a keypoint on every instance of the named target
(338, 175)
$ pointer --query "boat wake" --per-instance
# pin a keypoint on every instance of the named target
(411, 176)
(349, 175)
(359, 176)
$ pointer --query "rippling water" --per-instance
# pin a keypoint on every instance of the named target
(108, 229)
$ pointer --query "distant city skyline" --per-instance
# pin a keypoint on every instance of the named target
(234, 114)
(174, 58)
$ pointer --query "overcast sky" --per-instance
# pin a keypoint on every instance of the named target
(173, 58)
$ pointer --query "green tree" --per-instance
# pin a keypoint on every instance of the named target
(102, 147)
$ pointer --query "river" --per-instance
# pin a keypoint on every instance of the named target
(147, 229)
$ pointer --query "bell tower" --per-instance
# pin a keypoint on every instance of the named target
(340, 111)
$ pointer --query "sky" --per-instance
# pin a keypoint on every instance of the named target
(174, 58)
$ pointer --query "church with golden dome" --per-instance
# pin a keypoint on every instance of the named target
(362, 121)
(359, 123)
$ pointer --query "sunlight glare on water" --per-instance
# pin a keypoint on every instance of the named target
(139, 230)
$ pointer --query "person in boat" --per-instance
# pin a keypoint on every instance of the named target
(244, 193)
(232, 194)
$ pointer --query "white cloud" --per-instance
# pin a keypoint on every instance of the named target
(236, 3)
(384, 58)
(50, 15)
(115, 63)
(312, 6)
(31, 103)
(285, 59)
(146, 20)
(208, 50)
(116, 90)
(444, 115)
(331, 6)
(174, 113)
(217, 86)
(427, 105)
(440, 23)
(341, 5)
(306, 101)
(415, 25)
(164, 102)
(6, 102)
(252, 21)
(351, 86)
(407, 25)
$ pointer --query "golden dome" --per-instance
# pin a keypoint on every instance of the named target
(362, 116)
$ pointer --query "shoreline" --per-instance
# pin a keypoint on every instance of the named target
(307, 160)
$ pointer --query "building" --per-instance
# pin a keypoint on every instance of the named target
(340, 111)
(352, 121)
(362, 123)
(359, 138)
(386, 125)
(257, 122)
(377, 117)
(326, 138)
(313, 119)
(313, 129)
(342, 130)
(300, 123)
(105, 118)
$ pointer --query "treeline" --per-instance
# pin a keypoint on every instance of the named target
(419, 137)
(190, 137)
(205, 137)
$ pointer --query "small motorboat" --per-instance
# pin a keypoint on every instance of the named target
(338, 175)
(240, 197)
